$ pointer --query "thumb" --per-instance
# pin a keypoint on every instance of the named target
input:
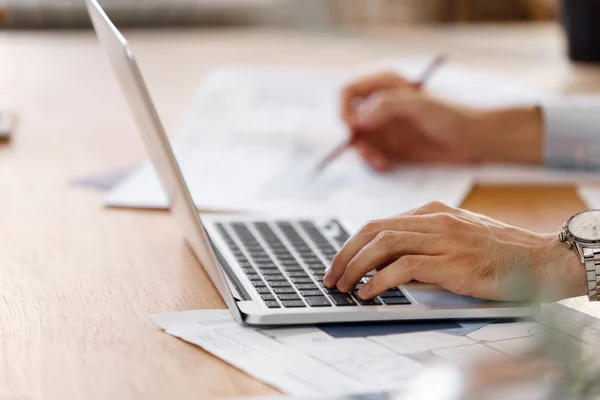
(386, 106)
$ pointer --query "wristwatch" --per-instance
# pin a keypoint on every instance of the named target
(582, 232)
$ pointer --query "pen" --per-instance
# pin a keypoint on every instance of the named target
(335, 153)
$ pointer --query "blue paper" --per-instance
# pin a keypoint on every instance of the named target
(467, 327)
(103, 180)
(355, 330)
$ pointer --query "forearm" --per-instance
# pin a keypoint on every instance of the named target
(511, 135)
(561, 132)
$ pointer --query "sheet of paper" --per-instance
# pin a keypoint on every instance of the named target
(306, 361)
(299, 361)
(254, 151)
(590, 194)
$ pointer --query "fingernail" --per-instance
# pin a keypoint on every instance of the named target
(363, 121)
(327, 280)
(363, 292)
(378, 162)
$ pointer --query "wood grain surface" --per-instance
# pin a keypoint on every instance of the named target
(78, 281)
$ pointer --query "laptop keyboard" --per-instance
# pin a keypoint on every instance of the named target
(286, 261)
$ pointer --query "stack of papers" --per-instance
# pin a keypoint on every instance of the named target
(309, 361)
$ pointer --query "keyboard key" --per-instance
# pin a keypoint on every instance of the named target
(270, 271)
(392, 293)
(283, 290)
(302, 279)
(295, 268)
(273, 278)
(253, 276)
(262, 260)
(268, 264)
(331, 291)
(279, 284)
(319, 301)
(272, 304)
(306, 286)
(342, 235)
(311, 260)
(289, 263)
(372, 302)
(248, 270)
(288, 296)
(258, 283)
(293, 303)
(263, 290)
(268, 297)
(392, 301)
(342, 299)
(309, 293)
(319, 277)
(299, 274)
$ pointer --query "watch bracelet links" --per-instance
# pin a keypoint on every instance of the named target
(591, 259)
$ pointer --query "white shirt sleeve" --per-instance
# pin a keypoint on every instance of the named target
(572, 132)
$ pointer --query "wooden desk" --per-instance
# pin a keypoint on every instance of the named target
(78, 281)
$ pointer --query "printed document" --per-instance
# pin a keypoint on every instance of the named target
(306, 361)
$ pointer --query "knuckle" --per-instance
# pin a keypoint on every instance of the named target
(412, 263)
(435, 205)
(447, 219)
(371, 227)
(387, 238)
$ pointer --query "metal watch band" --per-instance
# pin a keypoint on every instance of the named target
(591, 259)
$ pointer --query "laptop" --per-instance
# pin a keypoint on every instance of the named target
(269, 270)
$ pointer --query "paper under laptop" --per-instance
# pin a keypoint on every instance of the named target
(307, 361)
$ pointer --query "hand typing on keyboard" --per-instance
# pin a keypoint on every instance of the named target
(461, 251)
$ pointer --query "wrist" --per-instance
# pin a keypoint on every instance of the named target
(511, 135)
(559, 270)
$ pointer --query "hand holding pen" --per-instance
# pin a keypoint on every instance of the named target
(392, 120)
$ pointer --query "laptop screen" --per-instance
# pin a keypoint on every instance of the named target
(159, 148)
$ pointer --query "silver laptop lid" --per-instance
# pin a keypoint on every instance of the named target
(159, 149)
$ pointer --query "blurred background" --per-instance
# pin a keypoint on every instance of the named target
(293, 13)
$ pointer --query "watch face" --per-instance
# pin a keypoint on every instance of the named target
(585, 226)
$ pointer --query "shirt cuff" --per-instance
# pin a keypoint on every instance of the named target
(572, 132)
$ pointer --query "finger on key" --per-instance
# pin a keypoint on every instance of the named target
(401, 271)
(410, 223)
(388, 245)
